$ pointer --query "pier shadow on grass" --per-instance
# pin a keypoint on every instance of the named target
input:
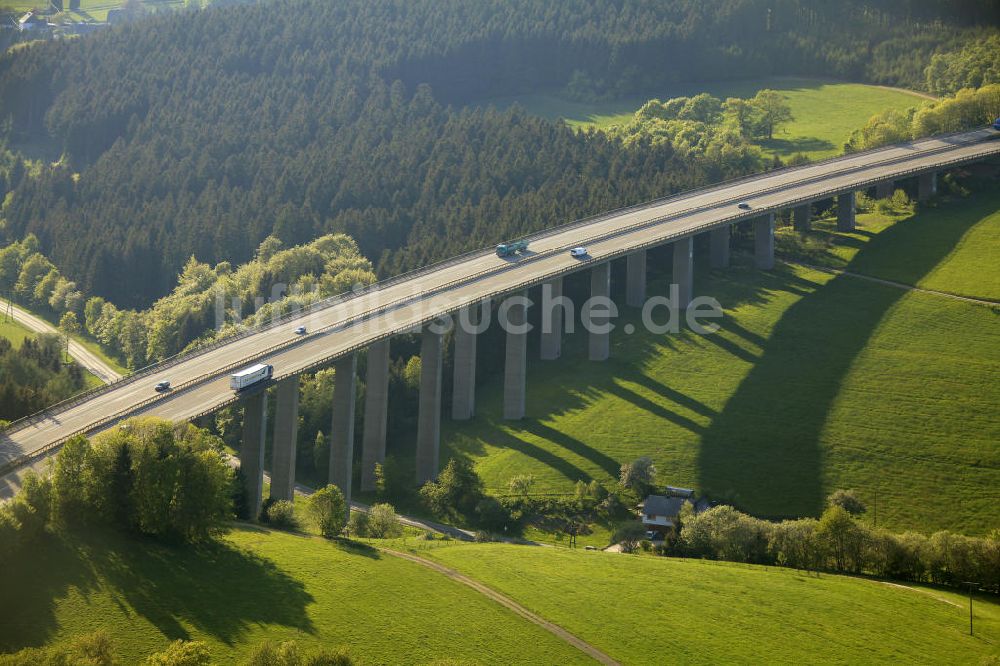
(763, 451)
(213, 587)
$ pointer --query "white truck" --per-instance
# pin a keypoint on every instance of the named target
(250, 376)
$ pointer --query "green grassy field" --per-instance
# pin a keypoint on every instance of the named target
(815, 382)
(14, 332)
(646, 610)
(90, 10)
(255, 585)
(825, 112)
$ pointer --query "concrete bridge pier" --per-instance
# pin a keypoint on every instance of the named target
(463, 394)
(286, 429)
(926, 186)
(719, 240)
(802, 217)
(515, 365)
(429, 414)
(846, 215)
(635, 279)
(763, 235)
(885, 189)
(252, 451)
(552, 320)
(599, 346)
(376, 412)
(342, 426)
(684, 270)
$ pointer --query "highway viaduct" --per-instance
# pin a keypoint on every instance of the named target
(463, 288)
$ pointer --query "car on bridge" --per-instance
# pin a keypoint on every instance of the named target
(301, 330)
(578, 252)
(162, 386)
(996, 124)
(743, 205)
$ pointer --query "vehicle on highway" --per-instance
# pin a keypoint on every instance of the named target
(578, 252)
(743, 205)
(301, 330)
(996, 124)
(162, 386)
(246, 377)
(511, 248)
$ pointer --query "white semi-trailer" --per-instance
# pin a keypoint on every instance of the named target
(250, 376)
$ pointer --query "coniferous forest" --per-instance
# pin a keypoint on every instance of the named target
(200, 133)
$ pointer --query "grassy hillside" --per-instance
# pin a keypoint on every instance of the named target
(646, 610)
(257, 584)
(14, 332)
(815, 382)
(825, 112)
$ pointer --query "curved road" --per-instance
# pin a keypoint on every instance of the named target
(200, 380)
(88, 359)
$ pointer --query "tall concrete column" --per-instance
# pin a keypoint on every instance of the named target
(926, 186)
(376, 412)
(286, 430)
(252, 451)
(463, 395)
(635, 279)
(720, 246)
(802, 217)
(552, 320)
(342, 426)
(846, 220)
(763, 235)
(684, 269)
(515, 370)
(885, 189)
(600, 286)
(429, 415)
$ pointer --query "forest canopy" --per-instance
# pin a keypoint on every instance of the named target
(201, 134)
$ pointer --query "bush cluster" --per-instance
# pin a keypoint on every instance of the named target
(841, 543)
(146, 476)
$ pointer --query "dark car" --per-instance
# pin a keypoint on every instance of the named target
(162, 386)
(743, 205)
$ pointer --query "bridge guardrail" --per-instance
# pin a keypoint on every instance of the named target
(326, 303)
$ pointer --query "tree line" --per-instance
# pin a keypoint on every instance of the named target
(967, 109)
(145, 477)
(35, 375)
(207, 302)
(202, 137)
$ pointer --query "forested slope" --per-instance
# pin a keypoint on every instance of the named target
(202, 133)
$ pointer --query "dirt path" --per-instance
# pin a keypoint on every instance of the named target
(898, 285)
(507, 602)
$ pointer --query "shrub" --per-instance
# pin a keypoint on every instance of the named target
(289, 654)
(521, 484)
(639, 475)
(328, 510)
(629, 534)
(483, 536)
(281, 515)
(358, 524)
(848, 500)
(181, 653)
(383, 522)
(456, 493)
